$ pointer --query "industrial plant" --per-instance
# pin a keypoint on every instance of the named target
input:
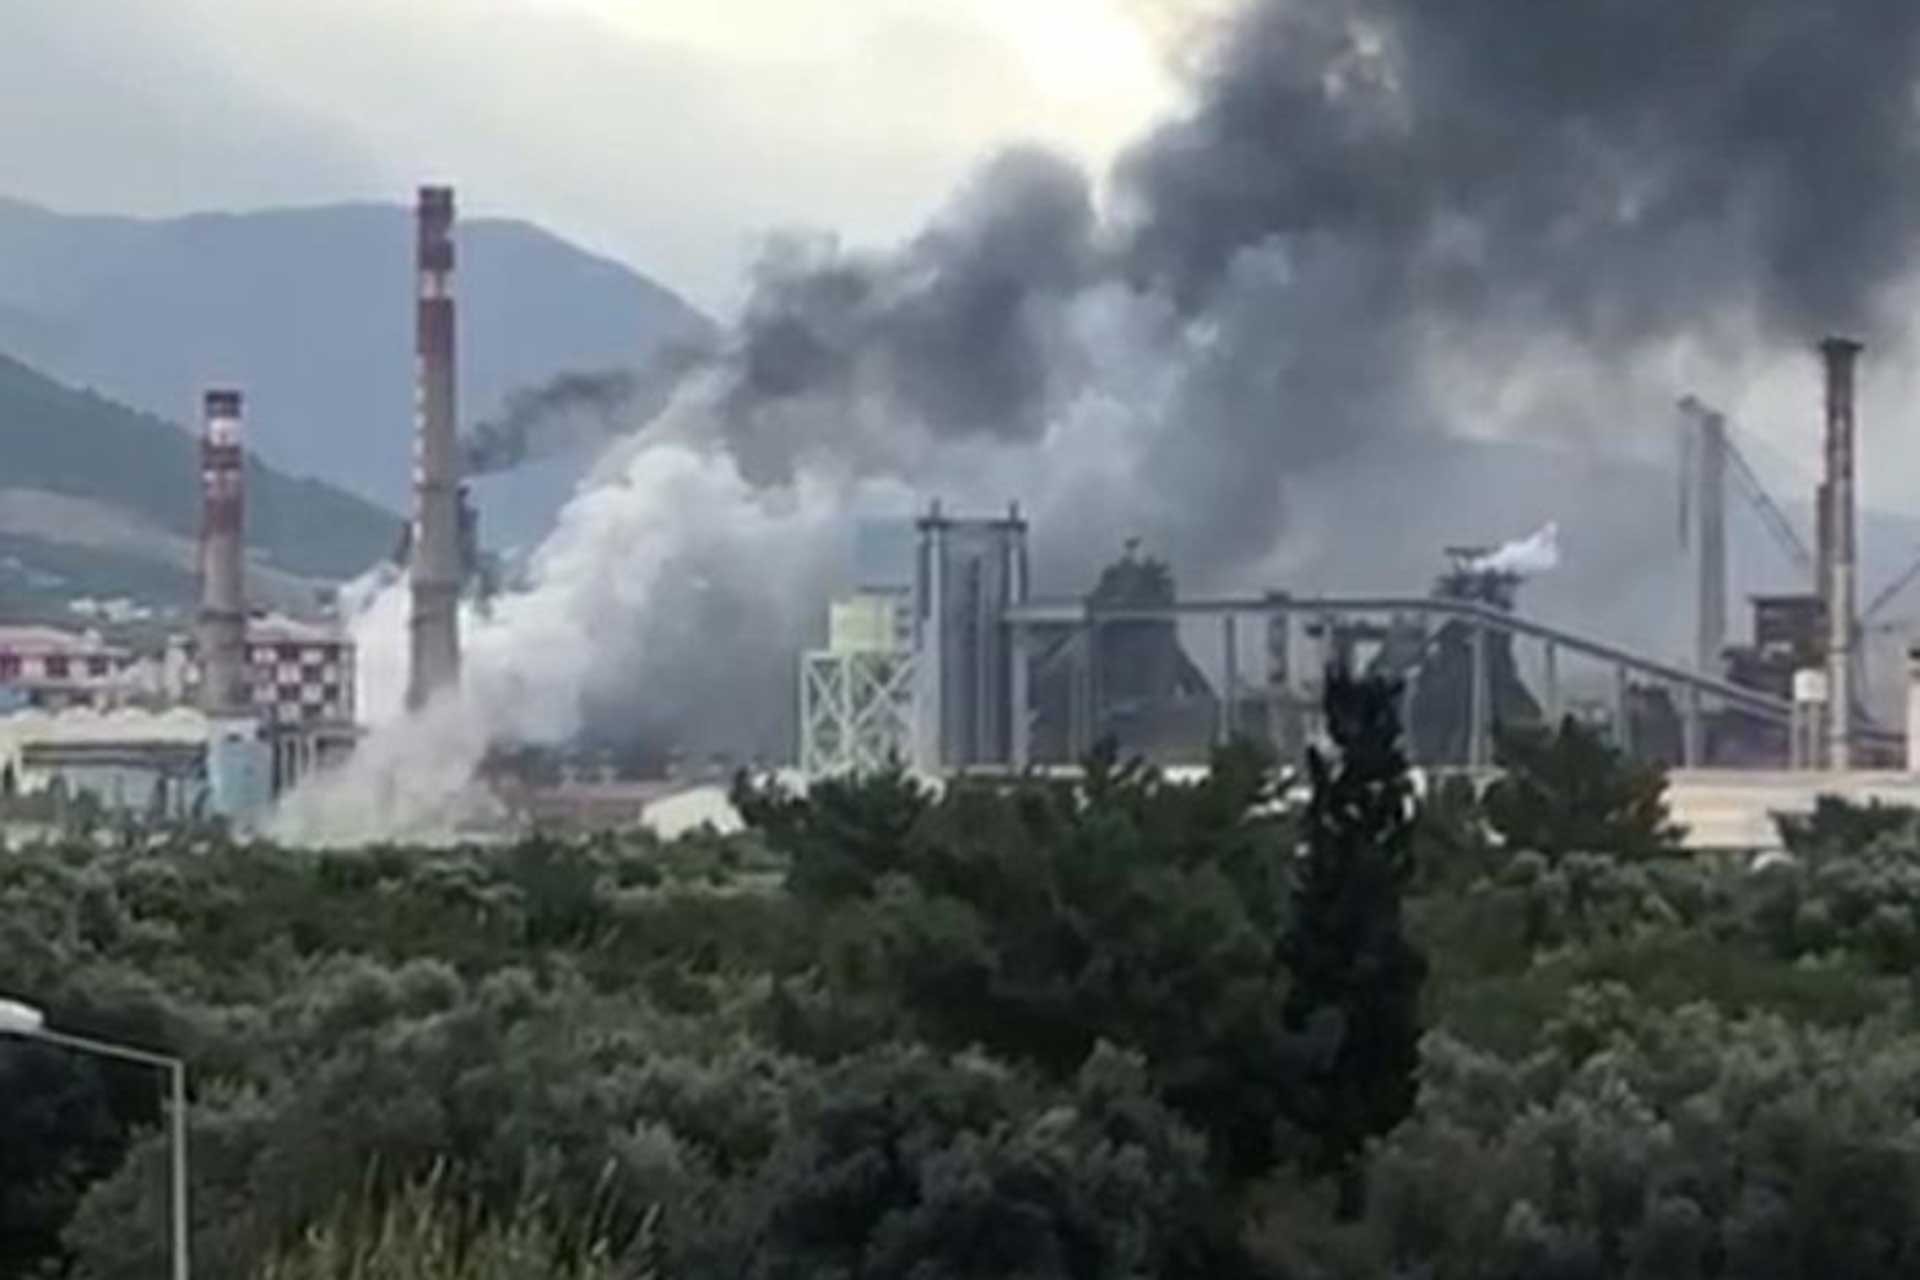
(220, 722)
(946, 658)
(963, 667)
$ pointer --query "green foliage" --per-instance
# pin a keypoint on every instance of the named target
(1352, 966)
(1685, 1144)
(1125, 1027)
(1453, 843)
(1838, 828)
(904, 1163)
(421, 1234)
(1570, 791)
(1041, 921)
(843, 836)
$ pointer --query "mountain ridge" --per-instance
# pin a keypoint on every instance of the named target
(92, 483)
(309, 311)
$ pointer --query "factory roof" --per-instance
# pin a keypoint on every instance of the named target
(279, 627)
(30, 639)
(176, 724)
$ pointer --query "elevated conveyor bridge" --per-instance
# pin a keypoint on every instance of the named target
(1695, 696)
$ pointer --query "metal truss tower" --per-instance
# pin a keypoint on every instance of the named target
(856, 711)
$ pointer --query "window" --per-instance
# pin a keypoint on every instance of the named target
(9, 666)
(97, 667)
(56, 666)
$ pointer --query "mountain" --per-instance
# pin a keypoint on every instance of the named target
(99, 500)
(310, 312)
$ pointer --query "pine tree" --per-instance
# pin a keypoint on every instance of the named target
(1571, 791)
(1351, 963)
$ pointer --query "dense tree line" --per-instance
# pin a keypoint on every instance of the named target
(1115, 1028)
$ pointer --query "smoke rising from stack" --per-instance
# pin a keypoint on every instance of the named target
(1379, 223)
(572, 410)
(519, 434)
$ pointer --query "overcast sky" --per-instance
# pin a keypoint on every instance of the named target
(668, 133)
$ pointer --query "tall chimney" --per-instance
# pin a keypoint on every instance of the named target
(436, 510)
(224, 689)
(1840, 355)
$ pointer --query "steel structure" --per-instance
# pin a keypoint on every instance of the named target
(857, 711)
(968, 574)
(1693, 690)
(1710, 544)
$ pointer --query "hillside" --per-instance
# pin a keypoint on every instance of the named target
(99, 499)
(310, 311)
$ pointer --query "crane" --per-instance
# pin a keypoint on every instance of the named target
(1779, 526)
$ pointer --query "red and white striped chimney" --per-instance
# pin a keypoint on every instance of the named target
(224, 687)
(436, 568)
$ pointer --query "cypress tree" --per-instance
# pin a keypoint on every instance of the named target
(1352, 967)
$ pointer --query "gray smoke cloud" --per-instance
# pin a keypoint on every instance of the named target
(1614, 166)
(1365, 195)
(1380, 226)
(957, 333)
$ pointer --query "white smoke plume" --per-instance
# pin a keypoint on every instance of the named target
(658, 578)
(1539, 552)
(674, 594)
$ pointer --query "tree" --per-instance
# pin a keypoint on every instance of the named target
(1571, 791)
(1352, 965)
(1838, 828)
(909, 1163)
(842, 835)
(1037, 921)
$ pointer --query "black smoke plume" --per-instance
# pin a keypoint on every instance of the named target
(571, 409)
(957, 334)
(1376, 227)
(1362, 193)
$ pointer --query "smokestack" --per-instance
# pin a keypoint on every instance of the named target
(436, 512)
(224, 690)
(1840, 355)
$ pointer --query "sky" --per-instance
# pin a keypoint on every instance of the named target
(671, 135)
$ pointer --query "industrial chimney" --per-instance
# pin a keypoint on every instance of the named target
(436, 569)
(1840, 355)
(224, 691)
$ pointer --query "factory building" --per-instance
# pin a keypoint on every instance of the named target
(134, 760)
(968, 573)
(300, 683)
(48, 669)
(298, 673)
